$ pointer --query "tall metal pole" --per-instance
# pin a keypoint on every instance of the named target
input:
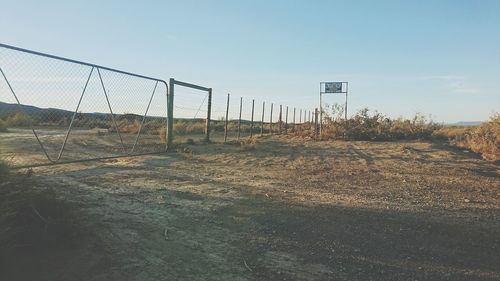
(346, 101)
(271, 120)
(345, 117)
(226, 121)
(262, 119)
(320, 111)
(251, 122)
(209, 114)
(300, 117)
(239, 118)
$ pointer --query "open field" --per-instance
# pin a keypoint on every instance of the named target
(288, 209)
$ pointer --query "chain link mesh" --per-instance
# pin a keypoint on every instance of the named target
(54, 110)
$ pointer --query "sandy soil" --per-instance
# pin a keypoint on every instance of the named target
(286, 210)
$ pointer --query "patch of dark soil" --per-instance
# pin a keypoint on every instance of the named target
(362, 244)
(42, 236)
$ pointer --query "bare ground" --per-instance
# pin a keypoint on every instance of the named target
(286, 210)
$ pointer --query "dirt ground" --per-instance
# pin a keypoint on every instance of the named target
(289, 209)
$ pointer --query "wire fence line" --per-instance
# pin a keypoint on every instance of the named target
(60, 110)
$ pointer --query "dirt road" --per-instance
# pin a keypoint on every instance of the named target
(286, 210)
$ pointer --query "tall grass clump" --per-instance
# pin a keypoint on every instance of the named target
(484, 139)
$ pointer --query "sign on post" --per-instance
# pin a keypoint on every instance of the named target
(331, 88)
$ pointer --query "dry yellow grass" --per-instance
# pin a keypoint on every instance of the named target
(248, 144)
(484, 139)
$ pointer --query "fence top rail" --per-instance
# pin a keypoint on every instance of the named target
(79, 62)
(189, 85)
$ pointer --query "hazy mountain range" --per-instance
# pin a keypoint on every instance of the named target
(9, 108)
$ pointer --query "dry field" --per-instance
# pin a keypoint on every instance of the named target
(286, 209)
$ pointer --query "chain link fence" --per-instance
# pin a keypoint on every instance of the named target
(57, 110)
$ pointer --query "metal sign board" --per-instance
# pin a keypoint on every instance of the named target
(333, 87)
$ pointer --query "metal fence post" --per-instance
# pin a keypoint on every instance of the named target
(226, 121)
(286, 120)
(271, 120)
(170, 113)
(280, 119)
(294, 109)
(320, 112)
(316, 129)
(239, 118)
(251, 122)
(209, 113)
(300, 117)
(262, 120)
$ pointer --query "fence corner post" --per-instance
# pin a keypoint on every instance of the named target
(209, 114)
(170, 113)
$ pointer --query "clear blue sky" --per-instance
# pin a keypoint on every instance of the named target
(400, 57)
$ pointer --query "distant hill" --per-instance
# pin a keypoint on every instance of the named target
(467, 123)
(9, 108)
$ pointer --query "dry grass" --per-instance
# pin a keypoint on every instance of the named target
(3, 126)
(484, 139)
(18, 119)
(163, 134)
(130, 127)
(183, 127)
(248, 144)
(376, 126)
